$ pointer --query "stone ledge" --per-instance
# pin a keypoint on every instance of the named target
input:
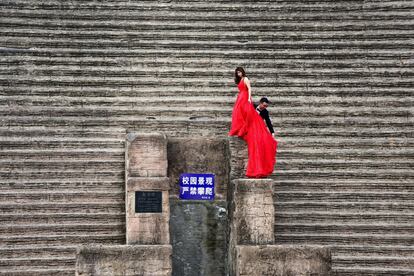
(148, 184)
(146, 155)
(124, 260)
(261, 185)
(280, 260)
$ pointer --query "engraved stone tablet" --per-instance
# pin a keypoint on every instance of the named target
(148, 202)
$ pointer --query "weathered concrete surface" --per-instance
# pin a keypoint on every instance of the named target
(147, 228)
(238, 158)
(126, 260)
(279, 260)
(146, 155)
(198, 237)
(253, 211)
(251, 215)
(196, 155)
(75, 75)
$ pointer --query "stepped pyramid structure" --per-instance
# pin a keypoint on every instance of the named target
(75, 76)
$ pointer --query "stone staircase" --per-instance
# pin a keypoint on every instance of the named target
(75, 76)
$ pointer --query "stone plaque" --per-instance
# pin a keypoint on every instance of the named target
(148, 202)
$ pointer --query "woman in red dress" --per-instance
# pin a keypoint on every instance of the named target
(247, 124)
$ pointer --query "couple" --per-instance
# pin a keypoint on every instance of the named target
(248, 124)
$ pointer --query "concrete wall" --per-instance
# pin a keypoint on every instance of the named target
(283, 260)
(199, 228)
(145, 260)
(199, 237)
(75, 76)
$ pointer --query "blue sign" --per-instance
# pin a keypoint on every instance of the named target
(197, 186)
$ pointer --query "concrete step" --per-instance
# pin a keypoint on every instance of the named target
(371, 250)
(225, 23)
(340, 164)
(58, 207)
(346, 196)
(267, 54)
(354, 185)
(67, 173)
(340, 174)
(63, 239)
(37, 263)
(292, 144)
(192, 39)
(365, 250)
(347, 229)
(63, 218)
(177, 126)
(185, 63)
(194, 80)
(20, 185)
(328, 217)
(190, 70)
(52, 165)
(61, 143)
(118, 228)
(164, 89)
(95, 132)
(39, 272)
(374, 261)
(219, 4)
(210, 35)
(335, 239)
(62, 196)
(281, 103)
(286, 115)
(346, 206)
(220, 9)
(38, 251)
(283, 134)
(356, 270)
(39, 156)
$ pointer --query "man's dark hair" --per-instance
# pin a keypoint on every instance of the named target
(264, 100)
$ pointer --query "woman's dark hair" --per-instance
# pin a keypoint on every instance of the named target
(237, 79)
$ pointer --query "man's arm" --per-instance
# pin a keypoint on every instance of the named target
(267, 120)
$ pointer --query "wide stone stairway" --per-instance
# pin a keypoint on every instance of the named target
(75, 76)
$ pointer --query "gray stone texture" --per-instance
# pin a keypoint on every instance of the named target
(253, 211)
(143, 260)
(199, 155)
(199, 237)
(276, 260)
(251, 215)
(146, 155)
(77, 75)
(238, 157)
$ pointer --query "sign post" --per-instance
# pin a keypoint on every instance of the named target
(196, 186)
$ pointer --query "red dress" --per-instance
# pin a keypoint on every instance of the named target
(247, 124)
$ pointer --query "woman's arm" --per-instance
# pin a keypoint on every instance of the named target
(249, 89)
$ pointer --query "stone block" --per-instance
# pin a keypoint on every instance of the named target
(238, 157)
(147, 228)
(146, 155)
(148, 184)
(127, 260)
(199, 155)
(253, 211)
(199, 237)
(279, 260)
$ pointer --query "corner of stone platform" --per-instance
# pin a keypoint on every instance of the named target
(128, 260)
(283, 260)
